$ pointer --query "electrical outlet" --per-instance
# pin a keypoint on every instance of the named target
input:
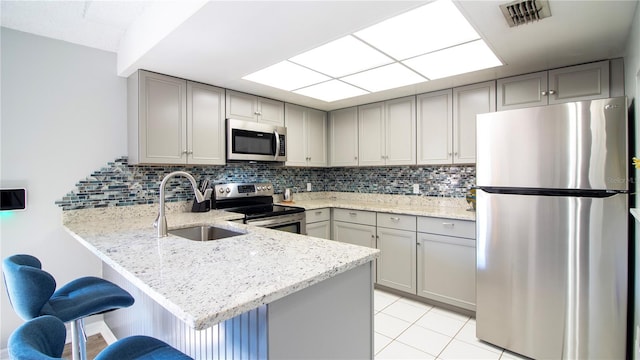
(308, 186)
(416, 188)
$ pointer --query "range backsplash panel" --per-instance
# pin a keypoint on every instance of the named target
(121, 184)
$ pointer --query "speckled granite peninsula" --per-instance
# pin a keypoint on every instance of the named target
(262, 294)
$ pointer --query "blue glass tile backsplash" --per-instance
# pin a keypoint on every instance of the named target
(121, 184)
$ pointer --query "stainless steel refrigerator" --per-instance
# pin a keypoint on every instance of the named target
(552, 230)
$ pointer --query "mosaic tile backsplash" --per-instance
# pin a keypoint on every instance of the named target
(121, 184)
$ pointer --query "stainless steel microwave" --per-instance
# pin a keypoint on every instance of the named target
(252, 141)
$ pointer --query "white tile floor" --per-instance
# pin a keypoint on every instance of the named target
(407, 329)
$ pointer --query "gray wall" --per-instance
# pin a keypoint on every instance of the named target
(63, 115)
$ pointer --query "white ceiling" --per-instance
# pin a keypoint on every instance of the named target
(219, 42)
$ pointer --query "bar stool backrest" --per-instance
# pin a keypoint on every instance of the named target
(28, 286)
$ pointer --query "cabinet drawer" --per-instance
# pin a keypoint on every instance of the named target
(395, 221)
(317, 215)
(448, 227)
(355, 216)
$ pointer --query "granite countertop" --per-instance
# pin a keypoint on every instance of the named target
(432, 210)
(204, 283)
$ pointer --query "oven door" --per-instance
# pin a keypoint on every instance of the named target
(255, 142)
(294, 223)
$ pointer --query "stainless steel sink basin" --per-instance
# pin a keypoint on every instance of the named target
(204, 233)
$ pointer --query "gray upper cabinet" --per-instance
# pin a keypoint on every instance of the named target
(468, 101)
(387, 132)
(343, 137)
(306, 136)
(174, 121)
(254, 108)
(435, 128)
(573, 83)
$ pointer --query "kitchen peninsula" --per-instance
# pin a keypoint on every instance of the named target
(262, 294)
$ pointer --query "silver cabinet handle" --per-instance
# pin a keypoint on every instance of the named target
(552, 92)
(396, 219)
(544, 93)
(353, 213)
(185, 151)
(450, 225)
(318, 212)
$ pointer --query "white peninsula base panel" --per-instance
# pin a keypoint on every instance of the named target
(332, 319)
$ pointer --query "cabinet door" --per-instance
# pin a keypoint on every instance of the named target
(296, 135)
(371, 134)
(400, 131)
(241, 106)
(356, 234)
(316, 136)
(162, 119)
(468, 101)
(397, 261)
(320, 229)
(270, 111)
(435, 128)
(447, 269)
(205, 125)
(582, 82)
(522, 91)
(343, 137)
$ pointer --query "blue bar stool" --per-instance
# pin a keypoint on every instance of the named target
(32, 293)
(43, 338)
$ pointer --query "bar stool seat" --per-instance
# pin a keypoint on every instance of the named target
(44, 336)
(32, 293)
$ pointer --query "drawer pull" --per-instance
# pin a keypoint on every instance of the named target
(318, 212)
(449, 225)
(396, 219)
(353, 213)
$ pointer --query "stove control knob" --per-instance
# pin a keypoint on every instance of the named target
(268, 187)
(228, 190)
(221, 190)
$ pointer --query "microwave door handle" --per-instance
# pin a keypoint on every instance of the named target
(277, 152)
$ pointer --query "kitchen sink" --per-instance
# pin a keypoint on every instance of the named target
(204, 233)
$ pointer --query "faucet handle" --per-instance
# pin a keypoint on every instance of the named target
(207, 193)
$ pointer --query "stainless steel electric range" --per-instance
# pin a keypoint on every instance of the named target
(255, 201)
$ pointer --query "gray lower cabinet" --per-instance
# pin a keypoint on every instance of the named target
(319, 223)
(396, 240)
(355, 227)
(354, 231)
(447, 261)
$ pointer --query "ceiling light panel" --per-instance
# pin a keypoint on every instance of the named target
(287, 76)
(342, 57)
(331, 91)
(460, 59)
(428, 28)
(385, 77)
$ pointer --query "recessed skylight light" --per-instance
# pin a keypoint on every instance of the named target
(429, 42)
(287, 76)
(431, 27)
(460, 59)
(331, 91)
(385, 77)
(342, 57)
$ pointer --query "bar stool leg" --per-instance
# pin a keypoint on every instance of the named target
(78, 340)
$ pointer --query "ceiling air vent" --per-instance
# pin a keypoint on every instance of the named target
(522, 12)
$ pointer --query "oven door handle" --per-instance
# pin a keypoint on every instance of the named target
(276, 220)
(277, 152)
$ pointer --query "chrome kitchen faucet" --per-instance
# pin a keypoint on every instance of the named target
(161, 220)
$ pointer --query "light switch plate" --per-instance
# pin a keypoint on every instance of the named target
(308, 186)
(416, 188)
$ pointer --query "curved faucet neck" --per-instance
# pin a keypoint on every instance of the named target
(162, 219)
